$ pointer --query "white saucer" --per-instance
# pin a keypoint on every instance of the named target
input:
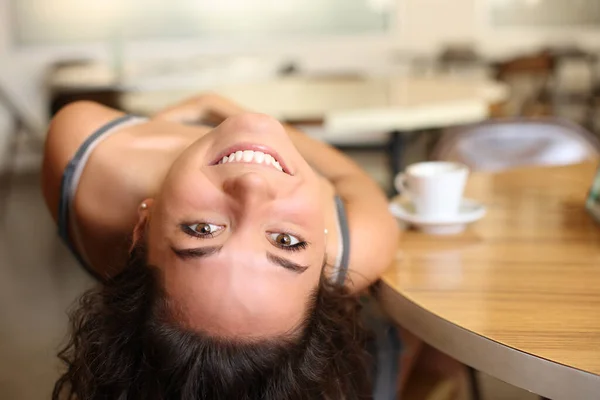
(470, 211)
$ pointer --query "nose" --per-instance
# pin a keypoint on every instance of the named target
(249, 188)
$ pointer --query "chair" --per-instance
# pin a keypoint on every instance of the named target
(574, 87)
(459, 57)
(507, 143)
(529, 77)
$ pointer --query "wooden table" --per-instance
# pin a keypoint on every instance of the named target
(518, 294)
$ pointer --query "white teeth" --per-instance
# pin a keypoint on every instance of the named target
(259, 156)
(248, 155)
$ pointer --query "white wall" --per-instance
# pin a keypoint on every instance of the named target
(422, 26)
(4, 118)
(43, 21)
(426, 25)
(22, 70)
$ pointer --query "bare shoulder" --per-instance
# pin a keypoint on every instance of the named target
(69, 128)
(72, 125)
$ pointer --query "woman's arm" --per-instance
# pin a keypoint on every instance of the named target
(208, 109)
(373, 231)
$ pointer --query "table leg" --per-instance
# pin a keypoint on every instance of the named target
(474, 384)
(8, 170)
(396, 152)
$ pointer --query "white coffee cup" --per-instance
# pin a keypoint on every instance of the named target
(435, 188)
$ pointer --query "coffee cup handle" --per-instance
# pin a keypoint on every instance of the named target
(401, 184)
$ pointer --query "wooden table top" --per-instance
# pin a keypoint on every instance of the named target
(526, 278)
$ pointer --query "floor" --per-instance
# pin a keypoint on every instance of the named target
(39, 280)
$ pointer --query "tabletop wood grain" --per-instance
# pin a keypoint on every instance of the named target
(526, 276)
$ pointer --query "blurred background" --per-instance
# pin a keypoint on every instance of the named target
(350, 72)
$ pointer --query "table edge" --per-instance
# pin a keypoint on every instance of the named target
(524, 370)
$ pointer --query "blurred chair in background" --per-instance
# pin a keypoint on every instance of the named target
(103, 92)
(530, 78)
(502, 144)
(573, 87)
(461, 59)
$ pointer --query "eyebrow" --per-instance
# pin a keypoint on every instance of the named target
(198, 252)
(207, 251)
(285, 263)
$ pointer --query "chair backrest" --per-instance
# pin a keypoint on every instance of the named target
(531, 64)
(528, 77)
(504, 144)
(461, 54)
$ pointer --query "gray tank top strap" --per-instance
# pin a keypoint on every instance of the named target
(386, 346)
(70, 182)
(343, 254)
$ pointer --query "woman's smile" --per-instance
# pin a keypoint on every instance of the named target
(252, 153)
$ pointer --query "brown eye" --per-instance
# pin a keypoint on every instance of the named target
(284, 239)
(203, 229)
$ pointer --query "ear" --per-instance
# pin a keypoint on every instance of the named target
(140, 226)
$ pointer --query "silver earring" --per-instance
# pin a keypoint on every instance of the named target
(325, 231)
(144, 206)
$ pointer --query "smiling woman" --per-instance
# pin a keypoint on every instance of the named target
(223, 257)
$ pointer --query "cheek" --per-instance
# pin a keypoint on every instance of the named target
(305, 213)
(310, 203)
(189, 190)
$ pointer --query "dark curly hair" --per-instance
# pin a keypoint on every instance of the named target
(126, 344)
